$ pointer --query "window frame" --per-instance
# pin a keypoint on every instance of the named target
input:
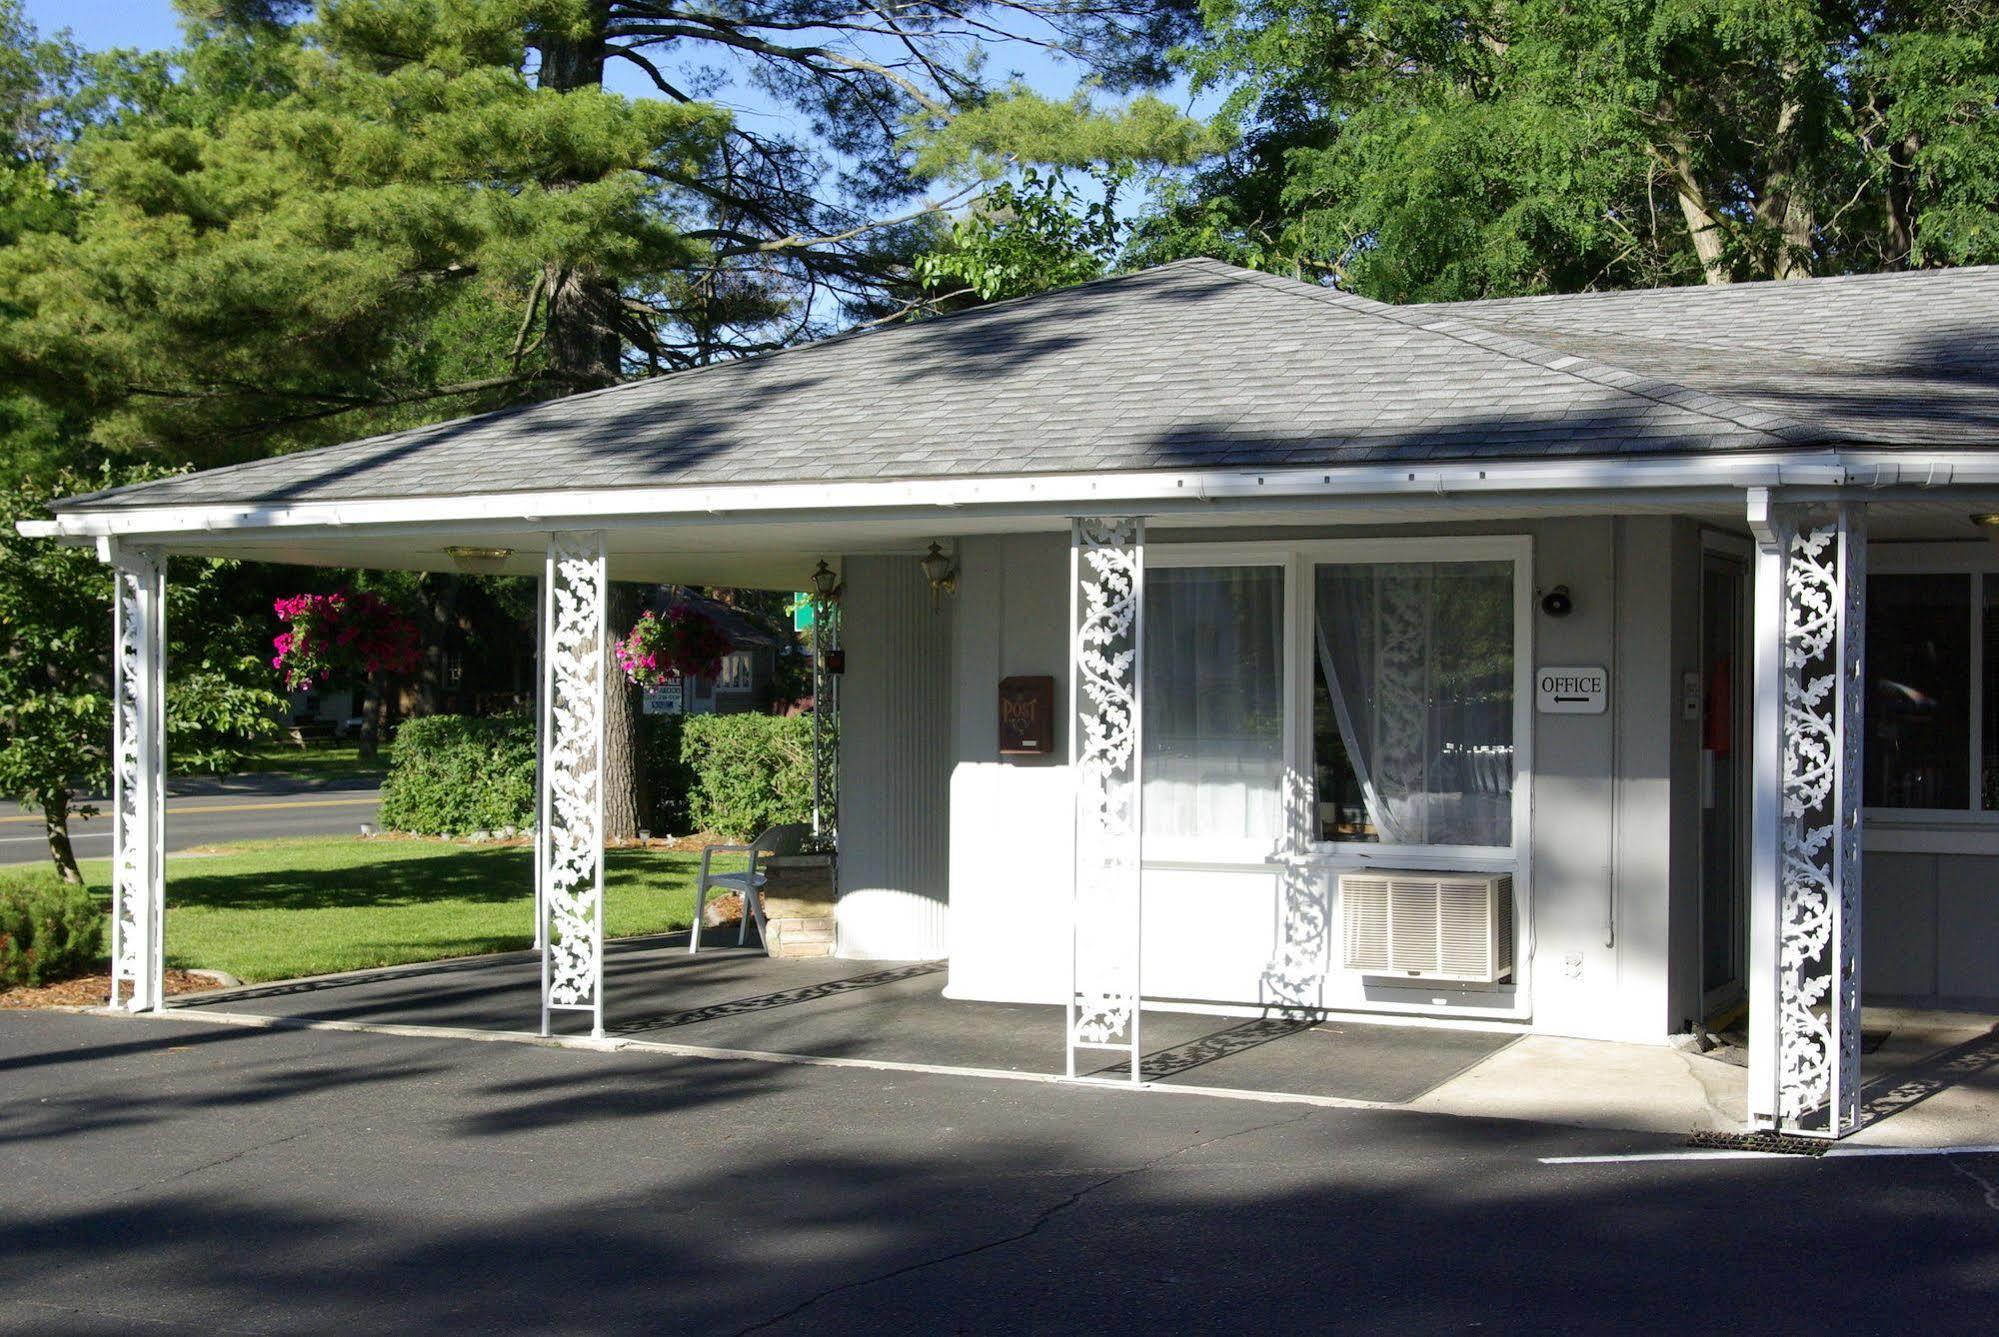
(1208, 851)
(1300, 559)
(1515, 549)
(1980, 561)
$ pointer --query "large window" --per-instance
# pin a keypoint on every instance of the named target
(1214, 710)
(1386, 675)
(1413, 702)
(1933, 692)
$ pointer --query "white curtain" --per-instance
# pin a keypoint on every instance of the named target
(1214, 703)
(1417, 659)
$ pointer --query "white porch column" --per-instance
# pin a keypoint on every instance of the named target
(540, 760)
(1106, 667)
(571, 845)
(138, 777)
(1804, 1002)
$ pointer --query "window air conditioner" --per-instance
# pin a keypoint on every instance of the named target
(1429, 926)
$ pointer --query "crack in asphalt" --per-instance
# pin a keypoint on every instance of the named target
(1990, 1188)
(1034, 1227)
(123, 1317)
(236, 1155)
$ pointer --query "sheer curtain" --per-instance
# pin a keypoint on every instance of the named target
(1416, 659)
(1214, 704)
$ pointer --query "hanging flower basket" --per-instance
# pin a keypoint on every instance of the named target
(346, 634)
(684, 643)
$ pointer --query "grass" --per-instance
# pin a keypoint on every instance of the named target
(315, 761)
(277, 909)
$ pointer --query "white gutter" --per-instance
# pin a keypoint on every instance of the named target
(1052, 495)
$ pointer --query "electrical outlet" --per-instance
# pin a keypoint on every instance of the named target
(1572, 965)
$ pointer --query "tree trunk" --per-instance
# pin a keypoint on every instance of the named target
(440, 621)
(55, 821)
(1705, 230)
(1901, 230)
(574, 59)
(583, 343)
(1783, 207)
(584, 352)
(624, 779)
(1675, 153)
(371, 716)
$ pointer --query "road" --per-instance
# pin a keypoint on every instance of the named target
(173, 1176)
(211, 812)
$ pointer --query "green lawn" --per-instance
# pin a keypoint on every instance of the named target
(275, 909)
(327, 760)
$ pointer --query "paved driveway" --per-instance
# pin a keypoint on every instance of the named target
(165, 1175)
(894, 1012)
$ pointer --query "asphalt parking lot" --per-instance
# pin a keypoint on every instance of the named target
(170, 1175)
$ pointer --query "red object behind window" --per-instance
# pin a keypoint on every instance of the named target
(1718, 727)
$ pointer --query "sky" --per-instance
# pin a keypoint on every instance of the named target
(100, 24)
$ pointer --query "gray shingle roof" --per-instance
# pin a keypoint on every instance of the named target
(1202, 365)
(1896, 359)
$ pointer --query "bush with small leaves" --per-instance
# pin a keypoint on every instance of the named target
(49, 931)
(453, 775)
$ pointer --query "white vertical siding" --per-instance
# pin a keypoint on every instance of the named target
(895, 763)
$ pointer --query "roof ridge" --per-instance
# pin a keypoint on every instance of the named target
(1590, 370)
(1719, 290)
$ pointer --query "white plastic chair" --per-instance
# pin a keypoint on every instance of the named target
(785, 839)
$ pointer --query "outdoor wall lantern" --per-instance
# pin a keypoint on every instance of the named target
(1557, 603)
(826, 583)
(478, 560)
(941, 572)
(1989, 522)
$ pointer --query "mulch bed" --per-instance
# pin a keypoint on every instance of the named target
(92, 990)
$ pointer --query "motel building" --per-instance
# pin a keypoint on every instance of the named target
(1592, 666)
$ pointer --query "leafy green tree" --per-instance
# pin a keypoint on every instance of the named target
(1025, 237)
(317, 222)
(55, 656)
(1461, 148)
(38, 78)
(378, 212)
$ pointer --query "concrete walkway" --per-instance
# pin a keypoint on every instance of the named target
(1933, 1079)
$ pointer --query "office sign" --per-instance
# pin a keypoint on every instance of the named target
(1571, 691)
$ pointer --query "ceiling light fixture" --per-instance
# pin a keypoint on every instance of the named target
(478, 559)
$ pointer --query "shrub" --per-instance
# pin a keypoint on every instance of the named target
(750, 772)
(452, 775)
(668, 780)
(49, 931)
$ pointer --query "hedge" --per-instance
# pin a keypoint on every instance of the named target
(453, 775)
(735, 775)
(49, 931)
(749, 772)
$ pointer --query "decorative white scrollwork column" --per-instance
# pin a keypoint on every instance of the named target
(540, 763)
(1106, 665)
(138, 777)
(1805, 893)
(571, 844)
(1294, 981)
